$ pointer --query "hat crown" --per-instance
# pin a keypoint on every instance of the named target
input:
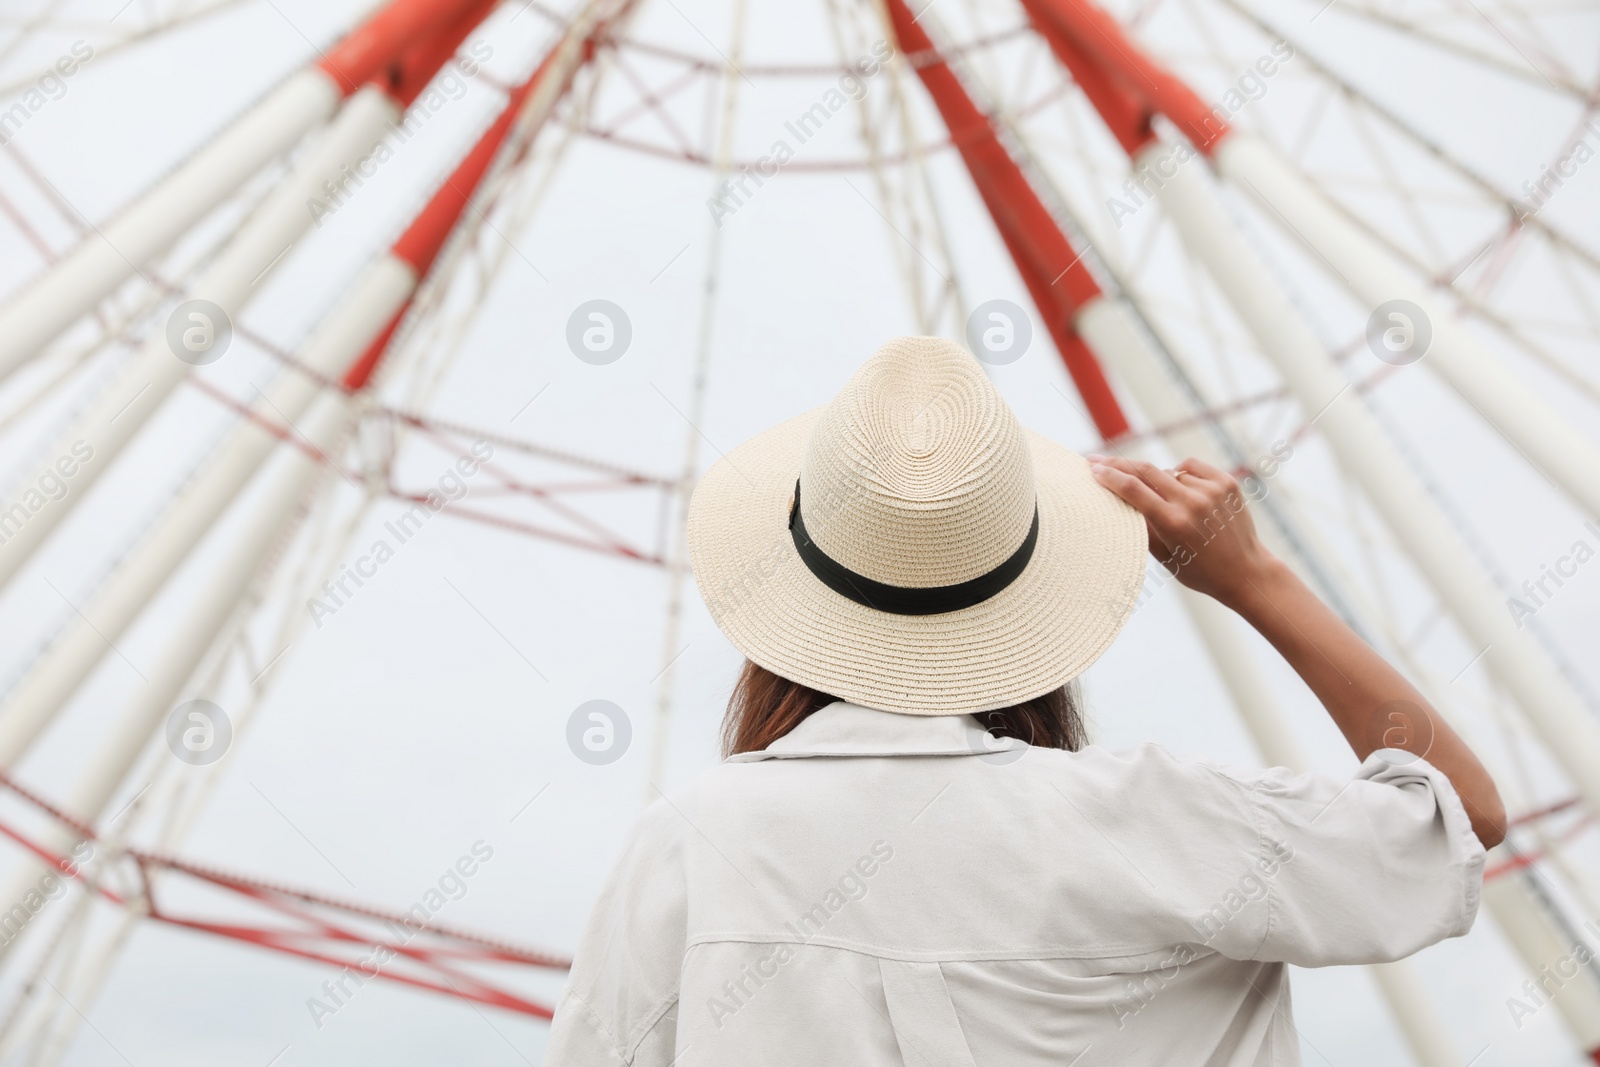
(918, 474)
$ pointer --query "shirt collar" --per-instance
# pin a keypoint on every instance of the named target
(845, 729)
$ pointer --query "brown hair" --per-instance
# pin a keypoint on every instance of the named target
(764, 706)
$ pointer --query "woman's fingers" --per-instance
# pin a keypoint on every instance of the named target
(1206, 472)
(1160, 481)
(1127, 485)
(1143, 499)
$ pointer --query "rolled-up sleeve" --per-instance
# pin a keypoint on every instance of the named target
(1368, 870)
(620, 1002)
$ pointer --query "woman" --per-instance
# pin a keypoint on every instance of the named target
(909, 855)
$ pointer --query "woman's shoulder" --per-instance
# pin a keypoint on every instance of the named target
(1143, 759)
(1148, 771)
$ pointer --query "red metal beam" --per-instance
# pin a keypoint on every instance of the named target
(456, 985)
(419, 246)
(316, 937)
(1098, 39)
(605, 548)
(416, 65)
(1126, 113)
(379, 42)
(1057, 279)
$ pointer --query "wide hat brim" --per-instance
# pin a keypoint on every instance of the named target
(1041, 631)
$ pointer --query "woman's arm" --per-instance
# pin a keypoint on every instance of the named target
(1202, 532)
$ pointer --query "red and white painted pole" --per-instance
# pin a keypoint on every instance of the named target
(112, 252)
(198, 330)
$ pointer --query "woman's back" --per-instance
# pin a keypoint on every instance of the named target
(878, 888)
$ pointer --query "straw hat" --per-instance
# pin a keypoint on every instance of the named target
(941, 560)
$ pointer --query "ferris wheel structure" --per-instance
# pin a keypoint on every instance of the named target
(1234, 277)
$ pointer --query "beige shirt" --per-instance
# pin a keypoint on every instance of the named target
(882, 889)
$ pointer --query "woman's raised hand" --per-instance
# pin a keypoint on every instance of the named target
(1196, 516)
(1201, 530)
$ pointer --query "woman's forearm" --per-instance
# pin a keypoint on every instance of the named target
(1372, 703)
